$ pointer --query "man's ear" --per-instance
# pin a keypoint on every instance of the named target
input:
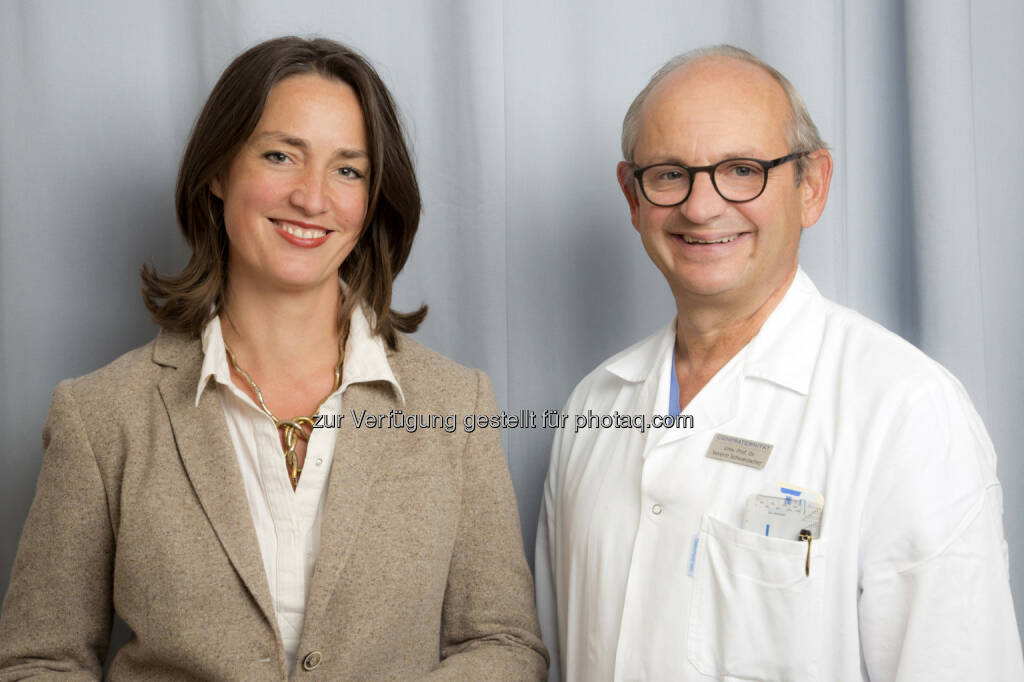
(814, 186)
(627, 184)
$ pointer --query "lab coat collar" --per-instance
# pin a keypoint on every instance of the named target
(641, 360)
(784, 351)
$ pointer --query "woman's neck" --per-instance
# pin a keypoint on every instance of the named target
(288, 342)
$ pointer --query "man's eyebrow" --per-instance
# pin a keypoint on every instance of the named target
(744, 153)
(291, 140)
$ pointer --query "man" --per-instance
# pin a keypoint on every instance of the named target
(833, 513)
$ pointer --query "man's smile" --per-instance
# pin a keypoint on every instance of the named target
(720, 240)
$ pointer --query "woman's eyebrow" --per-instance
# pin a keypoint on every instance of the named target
(346, 153)
(283, 137)
(341, 152)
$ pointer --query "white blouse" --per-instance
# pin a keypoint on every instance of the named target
(287, 522)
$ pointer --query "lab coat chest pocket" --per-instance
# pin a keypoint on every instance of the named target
(755, 614)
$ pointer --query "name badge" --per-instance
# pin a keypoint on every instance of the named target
(749, 453)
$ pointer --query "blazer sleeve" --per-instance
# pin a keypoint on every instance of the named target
(57, 614)
(489, 627)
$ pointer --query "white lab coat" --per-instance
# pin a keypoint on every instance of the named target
(643, 571)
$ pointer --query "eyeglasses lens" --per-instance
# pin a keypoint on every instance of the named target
(735, 179)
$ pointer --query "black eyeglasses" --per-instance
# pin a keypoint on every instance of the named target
(735, 180)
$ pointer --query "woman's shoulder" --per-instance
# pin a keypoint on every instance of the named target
(424, 373)
(410, 352)
(135, 373)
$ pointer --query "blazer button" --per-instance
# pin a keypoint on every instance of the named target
(312, 660)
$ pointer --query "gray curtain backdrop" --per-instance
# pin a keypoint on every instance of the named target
(525, 253)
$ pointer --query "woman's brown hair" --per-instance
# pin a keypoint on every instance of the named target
(187, 301)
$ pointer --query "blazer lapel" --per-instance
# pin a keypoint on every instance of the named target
(207, 454)
(357, 454)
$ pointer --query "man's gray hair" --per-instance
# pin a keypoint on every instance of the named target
(801, 133)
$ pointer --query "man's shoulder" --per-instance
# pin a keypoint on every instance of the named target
(892, 386)
(861, 344)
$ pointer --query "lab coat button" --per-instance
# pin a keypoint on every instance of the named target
(656, 509)
(312, 660)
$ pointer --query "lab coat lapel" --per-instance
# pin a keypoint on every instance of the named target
(358, 453)
(207, 454)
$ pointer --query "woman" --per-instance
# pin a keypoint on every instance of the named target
(184, 486)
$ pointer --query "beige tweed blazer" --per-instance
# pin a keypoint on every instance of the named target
(140, 509)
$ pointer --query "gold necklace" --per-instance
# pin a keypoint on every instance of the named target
(292, 429)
